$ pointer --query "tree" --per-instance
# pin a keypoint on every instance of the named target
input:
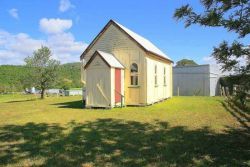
(2, 88)
(66, 84)
(185, 62)
(43, 69)
(26, 81)
(233, 15)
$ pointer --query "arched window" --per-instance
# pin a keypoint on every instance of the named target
(134, 74)
(156, 82)
(164, 77)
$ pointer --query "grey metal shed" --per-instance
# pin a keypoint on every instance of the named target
(200, 80)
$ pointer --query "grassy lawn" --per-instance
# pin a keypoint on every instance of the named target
(16, 97)
(182, 131)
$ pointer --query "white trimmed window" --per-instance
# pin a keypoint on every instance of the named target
(164, 77)
(134, 74)
(156, 79)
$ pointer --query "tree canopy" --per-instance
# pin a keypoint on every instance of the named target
(233, 15)
(43, 69)
(185, 62)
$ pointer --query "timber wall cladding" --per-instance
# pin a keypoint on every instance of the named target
(159, 91)
(98, 84)
(126, 51)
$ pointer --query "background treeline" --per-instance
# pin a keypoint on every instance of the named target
(12, 77)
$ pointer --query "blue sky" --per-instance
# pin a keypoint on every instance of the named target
(68, 26)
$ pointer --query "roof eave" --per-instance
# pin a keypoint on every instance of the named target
(123, 67)
(98, 53)
(160, 56)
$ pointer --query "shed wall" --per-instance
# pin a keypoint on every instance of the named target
(215, 74)
(190, 81)
(199, 80)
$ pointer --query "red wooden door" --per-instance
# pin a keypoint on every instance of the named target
(117, 85)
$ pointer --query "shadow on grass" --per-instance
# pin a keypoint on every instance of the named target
(242, 115)
(26, 100)
(71, 104)
(113, 142)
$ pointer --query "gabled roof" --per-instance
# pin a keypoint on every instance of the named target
(145, 44)
(108, 58)
(149, 46)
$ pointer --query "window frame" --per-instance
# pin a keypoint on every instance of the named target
(134, 76)
(156, 76)
(164, 77)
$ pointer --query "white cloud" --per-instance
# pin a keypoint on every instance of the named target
(15, 47)
(65, 5)
(209, 60)
(14, 13)
(54, 26)
(65, 48)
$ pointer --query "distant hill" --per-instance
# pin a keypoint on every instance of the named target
(72, 71)
(11, 76)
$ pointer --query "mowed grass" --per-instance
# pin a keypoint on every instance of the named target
(182, 131)
(16, 97)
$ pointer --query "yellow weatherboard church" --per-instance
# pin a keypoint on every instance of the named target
(120, 67)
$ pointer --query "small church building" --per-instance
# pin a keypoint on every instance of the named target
(120, 67)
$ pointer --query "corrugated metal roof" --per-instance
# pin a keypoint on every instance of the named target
(110, 59)
(143, 42)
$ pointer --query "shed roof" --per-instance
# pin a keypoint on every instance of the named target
(143, 42)
(108, 58)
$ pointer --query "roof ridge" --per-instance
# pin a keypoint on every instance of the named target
(144, 43)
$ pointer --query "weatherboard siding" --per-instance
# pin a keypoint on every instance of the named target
(127, 52)
(160, 91)
(101, 77)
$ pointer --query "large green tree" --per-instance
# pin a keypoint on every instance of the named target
(233, 15)
(185, 62)
(43, 69)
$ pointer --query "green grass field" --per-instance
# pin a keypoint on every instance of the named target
(182, 131)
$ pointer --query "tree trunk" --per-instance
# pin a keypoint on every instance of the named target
(42, 93)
